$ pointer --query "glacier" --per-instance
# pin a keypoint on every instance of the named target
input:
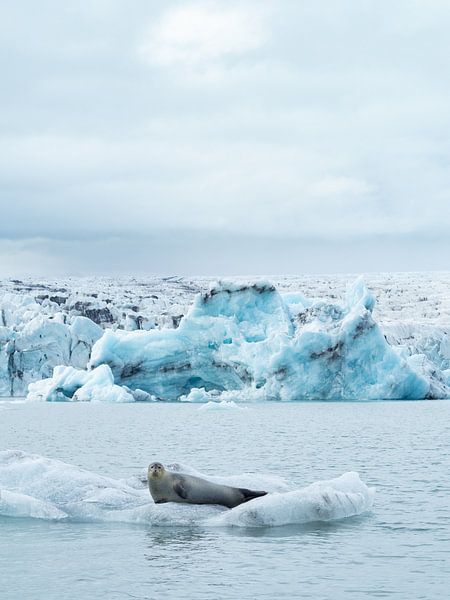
(35, 338)
(199, 341)
(249, 342)
(36, 487)
(44, 324)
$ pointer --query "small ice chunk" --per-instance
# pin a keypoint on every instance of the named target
(223, 405)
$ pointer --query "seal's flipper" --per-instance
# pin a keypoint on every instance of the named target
(251, 494)
(179, 489)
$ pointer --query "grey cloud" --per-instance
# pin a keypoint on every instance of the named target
(218, 255)
(334, 128)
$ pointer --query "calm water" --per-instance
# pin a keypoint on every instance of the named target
(400, 550)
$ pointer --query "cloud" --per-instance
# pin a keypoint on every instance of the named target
(198, 34)
(296, 120)
(340, 186)
(194, 253)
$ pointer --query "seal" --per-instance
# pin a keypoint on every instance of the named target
(166, 486)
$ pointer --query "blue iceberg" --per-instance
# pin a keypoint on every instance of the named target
(247, 342)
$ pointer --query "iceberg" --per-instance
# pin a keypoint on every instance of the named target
(339, 352)
(84, 333)
(46, 324)
(33, 486)
(70, 384)
(249, 340)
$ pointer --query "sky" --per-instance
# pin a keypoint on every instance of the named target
(224, 137)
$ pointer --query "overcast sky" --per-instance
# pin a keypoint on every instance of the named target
(224, 137)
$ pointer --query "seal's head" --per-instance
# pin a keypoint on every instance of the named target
(155, 470)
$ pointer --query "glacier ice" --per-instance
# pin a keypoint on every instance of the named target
(237, 342)
(249, 340)
(73, 384)
(66, 488)
(34, 342)
(222, 405)
(84, 333)
(37, 487)
(345, 496)
(13, 504)
(45, 324)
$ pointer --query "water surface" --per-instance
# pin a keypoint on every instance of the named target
(400, 550)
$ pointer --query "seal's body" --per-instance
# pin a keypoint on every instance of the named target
(165, 486)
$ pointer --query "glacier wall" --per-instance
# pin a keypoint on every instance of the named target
(243, 342)
(44, 324)
(34, 341)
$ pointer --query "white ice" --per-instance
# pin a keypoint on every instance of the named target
(37, 487)
(70, 384)
(219, 406)
(13, 504)
(345, 496)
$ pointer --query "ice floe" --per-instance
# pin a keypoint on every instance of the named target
(345, 496)
(36, 487)
(13, 504)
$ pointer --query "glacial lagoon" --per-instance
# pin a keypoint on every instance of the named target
(397, 549)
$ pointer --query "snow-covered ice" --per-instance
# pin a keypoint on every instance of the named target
(37, 487)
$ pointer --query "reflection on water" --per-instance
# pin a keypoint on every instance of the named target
(320, 529)
(400, 550)
(176, 537)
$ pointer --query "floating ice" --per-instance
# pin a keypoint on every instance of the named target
(72, 384)
(37, 487)
(230, 397)
(13, 504)
(345, 496)
(45, 323)
(246, 338)
(74, 491)
(247, 342)
(222, 405)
